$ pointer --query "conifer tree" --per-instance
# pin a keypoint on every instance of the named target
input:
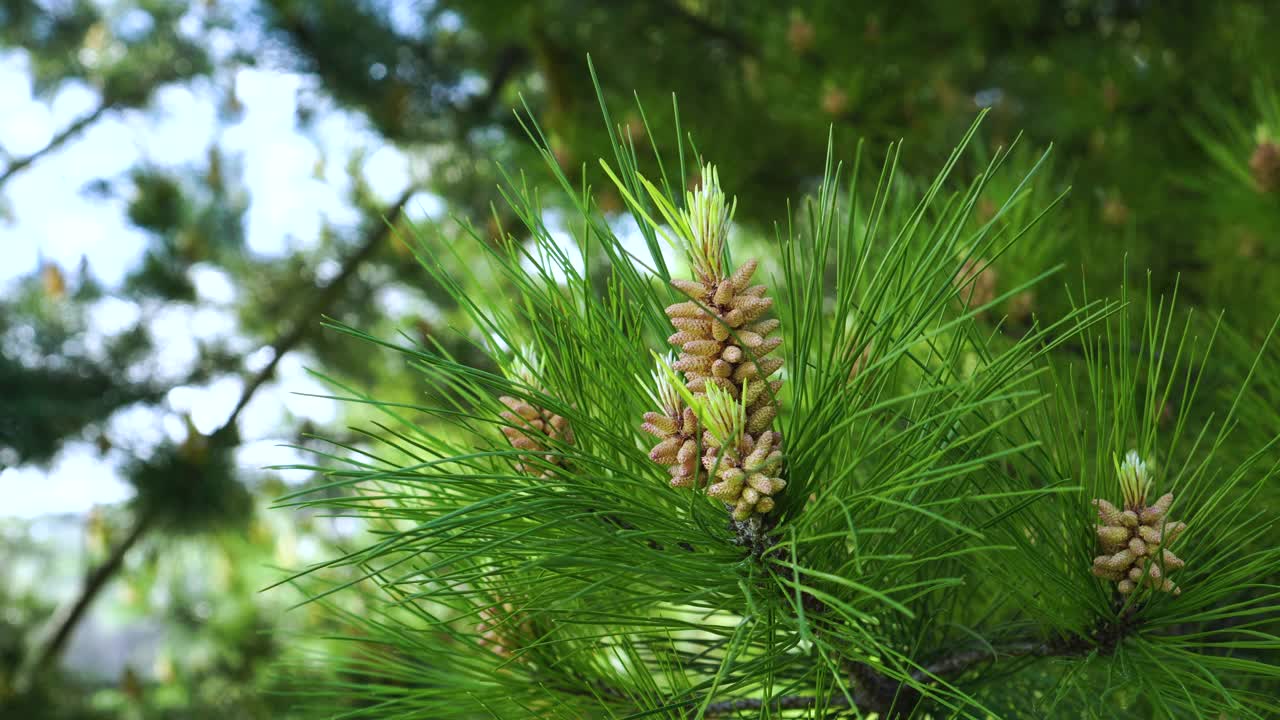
(1165, 121)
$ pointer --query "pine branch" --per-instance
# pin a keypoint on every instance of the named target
(304, 321)
(777, 704)
(875, 692)
(962, 662)
(58, 140)
(893, 699)
(69, 618)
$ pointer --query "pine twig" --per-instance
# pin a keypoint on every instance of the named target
(58, 140)
(892, 699)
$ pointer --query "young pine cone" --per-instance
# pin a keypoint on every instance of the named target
(1135, 540)
(535, 430)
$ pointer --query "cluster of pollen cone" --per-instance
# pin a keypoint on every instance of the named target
(534, 430)
(1134, 539)
(724, 345)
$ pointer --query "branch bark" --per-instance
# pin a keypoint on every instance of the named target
(58, 140)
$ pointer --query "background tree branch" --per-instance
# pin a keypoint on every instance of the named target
(67, 133)
(66, 621)
(305, 319)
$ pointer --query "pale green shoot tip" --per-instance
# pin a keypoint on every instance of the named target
(724, 417)
(707, 215)
(1135, 479)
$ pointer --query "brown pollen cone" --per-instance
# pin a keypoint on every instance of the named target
(535, 430)
(746, 475)
(676, 428)
(723, 339)
(1134, 543)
